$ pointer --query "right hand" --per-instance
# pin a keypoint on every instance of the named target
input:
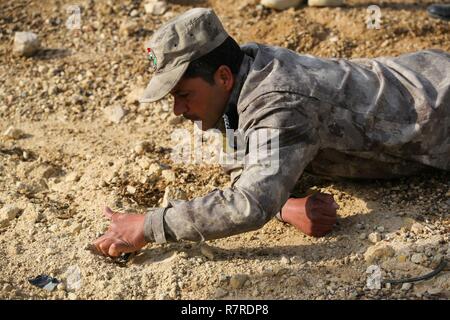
(314, 215)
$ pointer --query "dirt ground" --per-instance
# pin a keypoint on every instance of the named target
(72, 160)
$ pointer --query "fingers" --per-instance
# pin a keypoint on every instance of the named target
(105, 245)
(119, 247)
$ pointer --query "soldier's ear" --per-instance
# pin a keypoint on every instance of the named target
(225, 77)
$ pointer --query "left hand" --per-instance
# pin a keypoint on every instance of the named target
(125, 234)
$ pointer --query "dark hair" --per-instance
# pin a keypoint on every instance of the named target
(228, 53)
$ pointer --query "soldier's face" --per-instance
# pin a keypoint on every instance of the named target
(198, 100)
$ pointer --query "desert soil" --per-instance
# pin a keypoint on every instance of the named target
(73, 159)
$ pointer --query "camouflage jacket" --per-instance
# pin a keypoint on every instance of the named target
(361, 118)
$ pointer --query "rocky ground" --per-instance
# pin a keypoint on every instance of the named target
(79, 140)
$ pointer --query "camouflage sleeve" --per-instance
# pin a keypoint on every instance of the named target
(263, 186)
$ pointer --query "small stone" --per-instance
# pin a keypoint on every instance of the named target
(406, 286)
(168, 175)
(380, 229)
(142, 147)
(7, 214)
(418, 258)
(72, 177)
(128, 28)
(417, 228)
(156, 8)
(207, 251)
(237, 281)
(61, 286)
(115, 113)
(134, 13)
(374, 237)
(144, 163)
(280, 4)
(378, 252)
(154, 170)
(402, 258)
(13, 133)
(53, 228)
(72, 296)
(26, 44)
(75, 228)
(131, 189)
(171, 193)
(285, 260)
(362, 236)
(220, 293)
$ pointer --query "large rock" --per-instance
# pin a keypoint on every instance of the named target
(378, 252)
(26, 44)
(7, 214)
(281, 4)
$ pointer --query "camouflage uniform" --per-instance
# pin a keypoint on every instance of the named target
(362, 118)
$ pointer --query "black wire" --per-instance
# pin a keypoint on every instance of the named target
(439, 268)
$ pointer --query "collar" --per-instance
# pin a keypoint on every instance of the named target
(230, 117)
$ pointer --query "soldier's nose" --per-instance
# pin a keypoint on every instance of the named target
(179, 108)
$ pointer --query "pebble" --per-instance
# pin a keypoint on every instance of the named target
(26, 44)
(378, 252)
(142, 147)
(280, 4)
(128, 28)
(131, 189)
(156, 8)
(362, 236)
(75, 228)
(115, 113)
(374, 237)
(285, 260)
(417, 228)
(7, 214)
(380, 229)
(154, 170)
(13, 133)
(72, 177)
(61, 286)
(406, 286)
(418, 258)
(168, 175)
(237, 281)
(72, 296)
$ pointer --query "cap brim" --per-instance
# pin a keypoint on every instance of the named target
(161, 84)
